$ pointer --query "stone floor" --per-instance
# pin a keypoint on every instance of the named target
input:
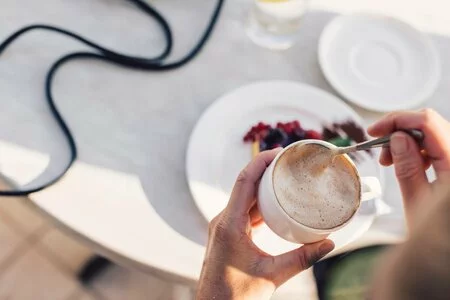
(39, 261)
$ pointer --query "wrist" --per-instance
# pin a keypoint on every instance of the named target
(231, 283)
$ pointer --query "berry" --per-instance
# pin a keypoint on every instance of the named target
(298, 134)
(289, 141)
(257, 132)
(288, 128)
(261, 126)
(312, 134)
(283, 134)
(275, 136)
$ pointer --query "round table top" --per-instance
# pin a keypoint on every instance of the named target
(127, 194)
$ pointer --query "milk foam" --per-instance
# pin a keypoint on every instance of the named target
(314, 188)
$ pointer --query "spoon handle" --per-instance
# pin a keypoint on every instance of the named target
(383, 141)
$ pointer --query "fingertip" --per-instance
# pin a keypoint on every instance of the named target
(326, 247)
(277, 149)
(272, 153)
(376, 129)
(385, 157)
(370, 129)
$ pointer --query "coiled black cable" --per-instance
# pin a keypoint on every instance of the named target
(151, 64)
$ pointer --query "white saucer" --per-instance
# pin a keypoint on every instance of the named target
(378, 62)
(216, 152)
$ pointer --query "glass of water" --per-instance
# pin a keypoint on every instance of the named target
(274, 23)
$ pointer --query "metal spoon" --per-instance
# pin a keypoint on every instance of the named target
(380, 142)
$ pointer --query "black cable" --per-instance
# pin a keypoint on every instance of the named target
(151, 64)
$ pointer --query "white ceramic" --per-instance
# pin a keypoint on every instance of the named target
(377, 62)
(216, 153)
(282, 224)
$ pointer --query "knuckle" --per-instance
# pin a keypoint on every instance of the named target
(222, 230)
(429, 116)
(212, 225)
(243, 176)
(305, 260)
(407, 170)
(392, 116)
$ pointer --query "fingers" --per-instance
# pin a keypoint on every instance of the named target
(386, 158)
(291, 263)
(243, 195)
(409, 166)
(435, 128)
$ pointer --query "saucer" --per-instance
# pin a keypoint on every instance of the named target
(378, 62)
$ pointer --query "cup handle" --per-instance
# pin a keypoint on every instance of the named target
(371, 191)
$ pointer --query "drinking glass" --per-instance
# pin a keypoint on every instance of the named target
(274, 23)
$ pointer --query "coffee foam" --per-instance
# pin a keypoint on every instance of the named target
(314, 188)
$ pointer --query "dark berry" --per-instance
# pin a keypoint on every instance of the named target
(298, 134)
(275, 136)
(291, 139)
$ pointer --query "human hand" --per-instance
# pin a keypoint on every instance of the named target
(409, 161)
(234, 267)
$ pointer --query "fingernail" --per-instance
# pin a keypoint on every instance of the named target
(399, 144)
(326, 247)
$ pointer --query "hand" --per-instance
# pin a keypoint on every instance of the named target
(409, 162)
(234, 267)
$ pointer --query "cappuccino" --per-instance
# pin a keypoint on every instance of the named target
(314, 188)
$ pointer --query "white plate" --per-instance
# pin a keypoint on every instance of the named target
(216, 152)
(378, 62)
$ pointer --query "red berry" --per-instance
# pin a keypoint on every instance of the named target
(264, 133)
(296, 124)
(312, 134)
(260, 126)
(288, 127)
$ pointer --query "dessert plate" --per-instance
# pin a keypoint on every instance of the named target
(216, 151)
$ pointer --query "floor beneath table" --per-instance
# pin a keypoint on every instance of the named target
(39, 261)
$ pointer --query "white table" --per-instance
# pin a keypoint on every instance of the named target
(127, 195)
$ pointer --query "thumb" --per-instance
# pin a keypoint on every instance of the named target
(291, 263)
(409, 166)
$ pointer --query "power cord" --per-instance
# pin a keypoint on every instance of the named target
(151, 64)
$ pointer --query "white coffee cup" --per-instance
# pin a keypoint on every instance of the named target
(286, 227)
